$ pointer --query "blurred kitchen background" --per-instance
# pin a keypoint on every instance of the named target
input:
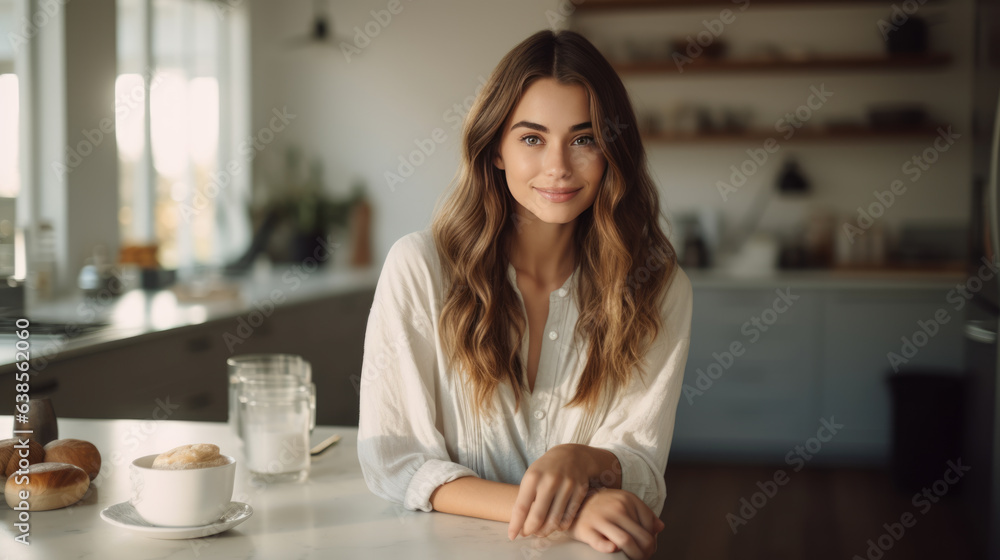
(185, 180)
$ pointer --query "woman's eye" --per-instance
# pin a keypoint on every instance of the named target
(532, 140)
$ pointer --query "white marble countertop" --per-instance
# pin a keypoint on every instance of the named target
(331, 515)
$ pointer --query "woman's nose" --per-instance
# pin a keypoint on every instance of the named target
(557, 162)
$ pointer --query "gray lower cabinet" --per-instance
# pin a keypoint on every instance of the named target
(181, 374)
(767, 396)
(811, 358)
(863, 330)
(172, 375)
(330, 334)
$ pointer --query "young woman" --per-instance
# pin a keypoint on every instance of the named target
(524, 358)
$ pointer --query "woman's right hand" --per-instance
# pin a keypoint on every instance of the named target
(610, 520)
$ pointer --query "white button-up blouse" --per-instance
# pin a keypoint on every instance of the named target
(417, 430)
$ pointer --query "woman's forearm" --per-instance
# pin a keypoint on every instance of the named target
(476, 497)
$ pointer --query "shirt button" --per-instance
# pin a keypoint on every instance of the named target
(563, 292)
(553, 335)
(539, 414)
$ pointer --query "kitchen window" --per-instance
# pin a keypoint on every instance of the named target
(11, 153)
(186, 56)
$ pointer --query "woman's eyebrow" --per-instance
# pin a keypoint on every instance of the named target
(542, 128)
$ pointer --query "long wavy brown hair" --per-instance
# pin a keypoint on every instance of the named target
(626, 261)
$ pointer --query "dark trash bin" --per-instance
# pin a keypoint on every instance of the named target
(927, 426)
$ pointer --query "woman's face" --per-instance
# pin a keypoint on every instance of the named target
(548, 152)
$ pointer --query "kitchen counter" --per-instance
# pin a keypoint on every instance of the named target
(144, 314)
(331, 515)
(847, 279)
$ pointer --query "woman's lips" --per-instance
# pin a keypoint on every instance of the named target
(558, 196)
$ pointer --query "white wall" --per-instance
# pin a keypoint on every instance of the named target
(72, 77)
(360, 116)
(92, 187)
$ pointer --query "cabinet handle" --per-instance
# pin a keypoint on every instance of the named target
(979, 331)
(199, 344)
(198, 401)
(46, 386)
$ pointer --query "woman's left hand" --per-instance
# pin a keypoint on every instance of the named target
(551, 492)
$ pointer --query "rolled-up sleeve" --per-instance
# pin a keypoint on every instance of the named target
(402, 453)
(640, 425)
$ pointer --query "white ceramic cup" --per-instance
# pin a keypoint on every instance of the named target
(181, 497)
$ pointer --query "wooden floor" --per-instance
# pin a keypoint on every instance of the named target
(818, 514)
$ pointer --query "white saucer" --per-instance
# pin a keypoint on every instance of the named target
(124, 515)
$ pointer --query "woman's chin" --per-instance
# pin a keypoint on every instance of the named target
(555, 217)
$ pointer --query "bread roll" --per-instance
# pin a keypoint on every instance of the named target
(48, 486)
(36, 454)
(6, 450)
(75, 452)
(193, 456)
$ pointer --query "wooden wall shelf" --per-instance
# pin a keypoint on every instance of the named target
(814, 64)
(803, 134)
(610, 5)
